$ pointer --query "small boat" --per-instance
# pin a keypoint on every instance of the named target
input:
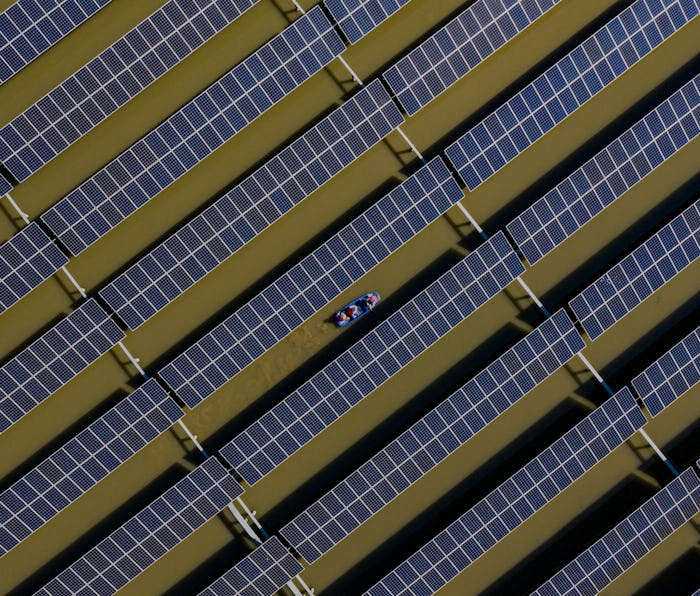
(356, 309)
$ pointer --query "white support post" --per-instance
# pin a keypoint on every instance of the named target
(594, 372)
(472, 221)
(193, 438)
(353, 74)
(304, 585)
(244, 524)
(532, 295)
(251, 516)
(410, 144)
(15, 206)
(298, 7)
(658, 451)
(293, 589)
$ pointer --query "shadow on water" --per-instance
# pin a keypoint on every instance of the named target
(101, 530)
(444, 511)
(680, 578)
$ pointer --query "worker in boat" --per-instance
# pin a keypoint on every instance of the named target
(351, 310)
(370, 301)
(341, 317)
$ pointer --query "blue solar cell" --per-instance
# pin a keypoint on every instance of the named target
(519, 498)
(457, 48)
(356, 18)
(371, 361)
(29, 28)
(5, 185)
(429, 441)
(645, 270)
(574, 80)
(264, 571)
(187, 137)
(595, 185)
(54, 359)
(26, 260)
(252, 206)
(110, 80)
(83, 461)
(669, 377)
(312, 283)
(151, 533)
(630, 540)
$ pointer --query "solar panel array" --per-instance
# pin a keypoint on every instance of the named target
(28, 28)
(640, 274)
(26, 260)
(252, 206)
(356, 18)
(83, 461)
(5, 185)
(150, 534)
(458, 47)
(594, 186)
(630, 540)
(516, 500)
(379, 355)
(429, 441)
(677, 371)
(194, 132)
(54, 359)
(567, 85)
(262, 573)
(110, 80)
(312, 284)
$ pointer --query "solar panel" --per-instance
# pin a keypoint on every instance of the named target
(566, 86)
(311, 284)
(516, 500)
(252, 206)
(5, 185)
(379, 355)
(26, 260)
(262, 572)
(110, 80)
(192, 133)
(630, 540)
(356, 18)
(640, 274)
(458, 47)
(405, 460)
(677, 371)
(604, 178)
(55, 358)
(83, 461)
(29, 28)
(150, 534)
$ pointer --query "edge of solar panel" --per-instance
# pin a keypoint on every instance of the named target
(8, 54)
(599, 565)
(609, 174)
(444, 69)
(85, 460)
(671, 375)
(443, 557)
(138, 174)
(246, 224)
(311, 284)
(39, 258)
(5, 185)
(357, 19)
(107, 567)
(104, 85)
(21, 387)
(408, 458)
(493, 264)
(264, 571)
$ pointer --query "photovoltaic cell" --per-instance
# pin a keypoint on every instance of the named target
(262, 573)
(356, 18)
(594, 186)
(67, 349)
(630, 540)
(566, 86)
(312, 284)
(83, 461)
(379, 355)
(26, 260)
(110, 80)
(677, 371)
(516, 500)
(5, 185)
(151, 533)
(28, 28)
(640, 274)
(429, 441)
(252, 206)
(192, 133)
(458, 47)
